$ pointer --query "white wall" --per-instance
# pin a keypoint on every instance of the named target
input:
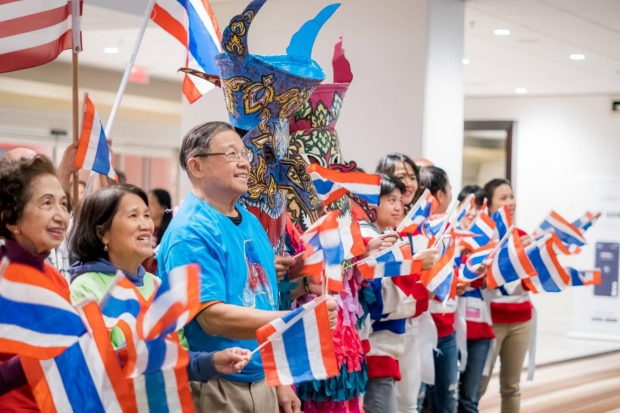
(557, 140)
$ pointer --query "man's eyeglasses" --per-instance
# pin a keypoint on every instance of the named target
(231, 156)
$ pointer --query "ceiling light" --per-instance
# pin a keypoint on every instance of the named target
(521, 90)
(465, 61)
(577, 56)
(502, 32)
(111, 50)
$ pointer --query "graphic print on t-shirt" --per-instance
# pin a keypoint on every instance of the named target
(257, 282)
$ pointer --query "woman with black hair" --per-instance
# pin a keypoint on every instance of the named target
(160, 204)
(401, 166)
(442, 395)
(511, 315)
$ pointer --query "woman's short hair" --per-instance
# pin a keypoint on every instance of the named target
(473, 189)
(17, 177)
(433, 178)
(389, 183)
(387, 165)
(198, 140)
(94, 217)
(491, 186)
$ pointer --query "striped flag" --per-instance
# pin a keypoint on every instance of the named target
(35, 318)
(175, 303)
(332, 185)
(299, 346)
(84, 378)
(469, 271)
(440, 279)
(510, 263)
(584, 222)
(193, 24)
(33, 32)
(484, 227)
(552, 278)
(424, 207)
(391, 262)
(581, 278)
(93, 152)
(566, 231)
(503, 221)
(468, 203)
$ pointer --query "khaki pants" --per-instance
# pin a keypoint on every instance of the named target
(513, 341)
(223, 396)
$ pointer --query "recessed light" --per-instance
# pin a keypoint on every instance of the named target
(465, 61)
(111, 50)
(521, 90)
(502, 32)
(577, 56)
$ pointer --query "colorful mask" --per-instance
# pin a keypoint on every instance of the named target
(261, 94)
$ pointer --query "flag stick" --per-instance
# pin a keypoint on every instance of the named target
(76, 48)
(383, 251)
(257, 349)
(125, 80)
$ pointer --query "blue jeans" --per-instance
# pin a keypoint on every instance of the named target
(442, 396)
(471, 378)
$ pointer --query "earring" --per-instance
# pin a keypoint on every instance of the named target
(105, 247)
(16, 231)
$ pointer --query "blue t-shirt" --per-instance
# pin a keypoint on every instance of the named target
(237, 265)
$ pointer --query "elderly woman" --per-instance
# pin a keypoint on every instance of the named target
(113, 231)
(34, 215)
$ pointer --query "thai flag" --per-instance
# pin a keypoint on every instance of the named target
(433, 226)
(93, 152)
(581, 278)
(391, 262)
(566, 231)
(174, 304)
(36, 320)
(87, 377)
(420, 212)
(469, 271)
(503, 221)
(484, 227)
(332, 185)
(552, 278)
(33, 33)
(468, 204)
(193, 24)
(440, 279)
(586, 221)
(510, 263)
(299, 346)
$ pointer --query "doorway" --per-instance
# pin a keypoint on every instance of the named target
(487, 151)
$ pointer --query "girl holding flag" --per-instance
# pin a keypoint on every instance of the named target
(511, 312)
(402, 167)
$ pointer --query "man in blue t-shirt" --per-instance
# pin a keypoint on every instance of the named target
(239, 285)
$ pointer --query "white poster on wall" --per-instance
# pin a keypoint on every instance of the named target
(596, 309)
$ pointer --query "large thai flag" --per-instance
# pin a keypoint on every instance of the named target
(193, 24)
(483, 226)
(87, 377)
(566, 231)
(510, 263)
(581, 278)
(391, 262)
(469, 271)
(35, 318)
(418, 214)
(440, 279)
(299, 346)
(332, 185)
(552, 278)
(503, 221)
(584, 222)
(93, 152)
(33, 32)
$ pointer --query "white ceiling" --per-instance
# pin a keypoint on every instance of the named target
(535, 56)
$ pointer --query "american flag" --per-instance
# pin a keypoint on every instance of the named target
(34, 32)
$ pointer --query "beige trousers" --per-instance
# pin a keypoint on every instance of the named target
(513, 341)
(223, 396)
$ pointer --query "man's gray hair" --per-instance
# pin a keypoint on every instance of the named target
(198, 140)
